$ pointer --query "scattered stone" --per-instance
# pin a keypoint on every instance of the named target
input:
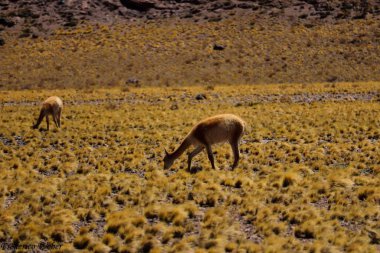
(71, 23)
(200, 96)
(133, 81)
(228, 6)
(6, 141)
(2, 42)
(219, 47)
(244, 5)
(215, 19)
(332, 79)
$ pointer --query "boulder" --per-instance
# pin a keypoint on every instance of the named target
(139, 5)
(6, 22)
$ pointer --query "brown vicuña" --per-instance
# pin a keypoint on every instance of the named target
(51, 106)
(217, 129)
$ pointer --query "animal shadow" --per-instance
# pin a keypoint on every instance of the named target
(195, 169)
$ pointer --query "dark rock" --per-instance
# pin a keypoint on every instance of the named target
(341, 16)
(132, 81)
(361, 16)
(347, 6)
(312, 2)
(189, 15)
(197, 2)
(110, 6)
(303, 16)
(25, 13)
(200, 96)
(6, 22)
(332, 79)
(255, 7)
(194, 11)
(2, 42)
(215, 19)
(228, 6)
(216, 6)
(71, 23)
(324, 14)
(139, 5)
(219, 47)
(25, 33)
(245, 5)
(309, 25)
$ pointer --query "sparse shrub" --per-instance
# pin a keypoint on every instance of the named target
(81, 242)
(304, 233)
(59, 235)
(289, 179)
(307, 180)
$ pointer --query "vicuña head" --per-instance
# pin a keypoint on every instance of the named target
(217, 129)
(51, 106)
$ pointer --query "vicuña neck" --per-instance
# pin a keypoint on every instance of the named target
(181, 149)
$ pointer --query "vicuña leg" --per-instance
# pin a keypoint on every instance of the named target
(47, 122)
(195, 152)
(235, 150)
(40, 118)
(210, 155)
(59, 117)
(55, 120)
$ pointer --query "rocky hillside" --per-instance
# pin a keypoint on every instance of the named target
(109, 43)
(39, 17)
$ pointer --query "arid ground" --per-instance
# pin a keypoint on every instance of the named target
(308, 179)
(136, 75)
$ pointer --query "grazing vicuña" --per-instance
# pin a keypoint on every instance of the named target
(51, 106)
(217, 129)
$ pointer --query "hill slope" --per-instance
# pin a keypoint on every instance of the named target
(139, 42)
(44, 16)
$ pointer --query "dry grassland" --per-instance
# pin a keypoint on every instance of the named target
(308, 179)
(166, 53)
